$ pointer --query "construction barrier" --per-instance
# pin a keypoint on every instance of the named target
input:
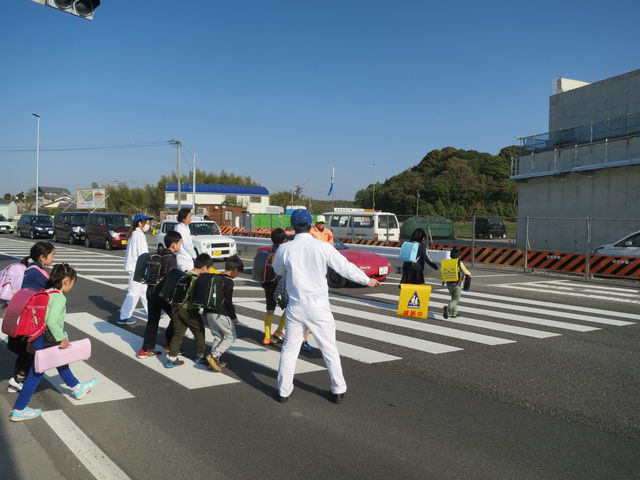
(414, 300)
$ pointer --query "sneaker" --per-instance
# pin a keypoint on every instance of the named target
(445, 312)
(26, 414)
(306, 346)
(277, 336)
(166, 347)
(201, 361)
(213, 363)
(147, 353)
(174, 363)
(126, 321)
(14, 385)
(80, 390)
(268, 341)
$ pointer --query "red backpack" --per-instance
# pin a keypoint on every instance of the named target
(26, 313)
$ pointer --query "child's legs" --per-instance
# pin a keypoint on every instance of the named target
(32, 380)
(228, 330)
(179, 327)
(24, 359)
(67, 375)
(215, 331)
(455, 291)
(151, 330)
(197, 328)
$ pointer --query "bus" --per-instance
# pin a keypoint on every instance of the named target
(365, 224)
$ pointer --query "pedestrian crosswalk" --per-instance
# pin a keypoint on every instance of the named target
(568, 288)
(368, 330)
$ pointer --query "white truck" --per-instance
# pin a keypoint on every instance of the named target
(206, 238)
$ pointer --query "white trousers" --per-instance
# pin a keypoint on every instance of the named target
(135, 291)
(318, 318)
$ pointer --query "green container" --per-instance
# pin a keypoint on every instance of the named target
(437, 227)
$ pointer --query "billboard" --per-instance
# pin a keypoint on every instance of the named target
(90, 198)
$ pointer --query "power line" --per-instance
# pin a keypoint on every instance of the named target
(75, 148)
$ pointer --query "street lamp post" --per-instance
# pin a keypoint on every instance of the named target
(37, 157)
(178, 145)
(373, 199)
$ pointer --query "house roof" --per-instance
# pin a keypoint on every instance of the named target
(6, 202)
(220, 189)
(59, 190)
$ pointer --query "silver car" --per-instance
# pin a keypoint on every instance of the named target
(629, 246)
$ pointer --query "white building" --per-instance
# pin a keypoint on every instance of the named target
(8, 209)
(253, 199)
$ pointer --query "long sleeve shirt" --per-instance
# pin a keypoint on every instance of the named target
(136, 246)
(305, 260)
(325, 234)
(227, 308)
(56, 310)
(187, 252)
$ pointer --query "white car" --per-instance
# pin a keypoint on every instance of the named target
(5, 225)
(206, 238)
(629, 246)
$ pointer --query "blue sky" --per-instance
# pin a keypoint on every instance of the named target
(282, 90)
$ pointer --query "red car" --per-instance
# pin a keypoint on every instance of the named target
(374, 265)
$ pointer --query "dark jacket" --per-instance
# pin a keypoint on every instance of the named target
(413, 272)
(168, 262)
(33, 278)
(227, 307)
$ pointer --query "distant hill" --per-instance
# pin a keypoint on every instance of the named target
(450, 182)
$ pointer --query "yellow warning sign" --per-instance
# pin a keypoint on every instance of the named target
(414, 301)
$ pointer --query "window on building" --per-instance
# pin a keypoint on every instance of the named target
(255, 199)
(183, 196)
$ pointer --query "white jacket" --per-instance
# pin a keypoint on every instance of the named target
(187, 252)
(305, 260)
(136, 246)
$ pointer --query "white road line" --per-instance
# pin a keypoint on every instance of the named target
(94, 459)
(546, 291)
(506, 316)
(527, 332)
(247, 287)
(189, 375)
(538, 311)
(120, 286)
(599, 287)
(553, 306)
(111, 276)
(348, 350)
(381, 335)
(107, 390)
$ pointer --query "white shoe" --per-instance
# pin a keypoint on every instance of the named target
(14, 385)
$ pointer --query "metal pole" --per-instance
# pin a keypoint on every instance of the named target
(193, 193)
(37, 157)
(473, 241)
(178, 145)
(526, 244)
(374, 188)
(587, 260)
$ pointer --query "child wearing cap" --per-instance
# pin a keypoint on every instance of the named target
(136, 246)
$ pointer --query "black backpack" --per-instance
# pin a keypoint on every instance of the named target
(148, 269)
(263, 267)
(176, 285)
(208, 292)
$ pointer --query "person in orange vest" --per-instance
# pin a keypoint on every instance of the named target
(320, 231)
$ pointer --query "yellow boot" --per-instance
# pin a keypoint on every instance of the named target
(268, 320)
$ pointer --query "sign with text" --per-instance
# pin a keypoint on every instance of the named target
(90, 198)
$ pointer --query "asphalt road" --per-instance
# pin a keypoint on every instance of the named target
(542, 382)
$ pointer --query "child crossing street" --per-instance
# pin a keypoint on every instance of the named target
(453, 273)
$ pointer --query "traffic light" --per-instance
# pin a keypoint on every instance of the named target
(80, 8)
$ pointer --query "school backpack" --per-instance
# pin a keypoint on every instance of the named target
(26, 313)
(176, 285)
(409, 252)
(280, 294)
(148, 269)
(263, 267)
(11, 279)
(208, 292)
(450, 270)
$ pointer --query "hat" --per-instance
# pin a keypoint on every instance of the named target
(300, 218)
(140, 216)
(321, 219)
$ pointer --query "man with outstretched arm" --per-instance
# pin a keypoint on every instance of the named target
(305, 261)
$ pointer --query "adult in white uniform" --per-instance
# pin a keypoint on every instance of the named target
(136, 246)
(305, 261)
(187, 252)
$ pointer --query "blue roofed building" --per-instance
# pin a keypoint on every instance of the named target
(210, 198)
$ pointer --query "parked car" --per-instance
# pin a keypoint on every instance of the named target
(628, 246)
(108, 230)
(374, 265)
(35, 226)
(69, 226)
(490, 227)
(206, 238)
(5, 225)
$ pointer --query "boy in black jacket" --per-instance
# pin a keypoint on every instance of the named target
(173, 241)
(222, 325)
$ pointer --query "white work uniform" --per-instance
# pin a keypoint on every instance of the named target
(136, 246)
(305, 261)
(187, 252)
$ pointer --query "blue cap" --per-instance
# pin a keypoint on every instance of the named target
(300, 218)
(140, 216)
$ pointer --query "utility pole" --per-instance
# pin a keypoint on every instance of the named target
(374, 187)
(193, 193)
(178, 145)
(37, 157)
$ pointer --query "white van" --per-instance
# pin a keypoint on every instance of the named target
(359, 223)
